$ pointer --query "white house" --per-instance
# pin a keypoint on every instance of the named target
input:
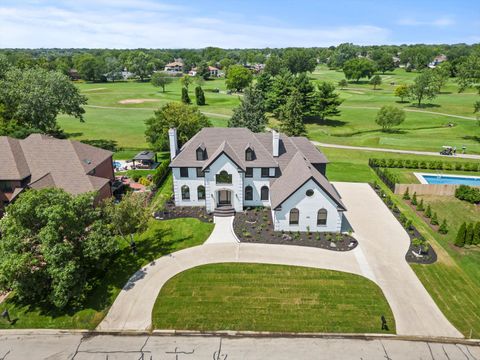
(228, 169)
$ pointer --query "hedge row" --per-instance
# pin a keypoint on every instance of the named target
(468, 234)
(387, 177)
(468, 193)
(420, 164)
(161, 173)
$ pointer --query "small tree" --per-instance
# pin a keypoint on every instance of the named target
(186, 80)
(425, 86)
(161, 79)
(406, 195)
(434, 219)
(420, 206)
(469, 234)
(185, 97)
(389, 116)
(443, 229)
(199, 96)
(428, 211)
(375, 81)
(414, 199)
(402, 91)
(462, 232)
(476, 234)
(343, 83)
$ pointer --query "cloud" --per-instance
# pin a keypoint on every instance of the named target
(150, 24)
(438, 22)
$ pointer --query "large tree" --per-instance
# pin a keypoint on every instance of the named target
(238, 78)
(291, 116)
(188, 120)
(468, 73)
(425, 86)
(141, 64)
(274, 65)
(53, 246)
(358, 68)
(251, 112)
(89, 67)
(161, 79)
(389, 116)
(325, 101)
(34, 97)
(385, 62)
(299, 60)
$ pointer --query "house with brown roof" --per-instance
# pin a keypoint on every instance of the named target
(41, 161)
(175, 66)
(228, 169)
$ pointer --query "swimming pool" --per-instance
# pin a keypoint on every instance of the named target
(448, 179)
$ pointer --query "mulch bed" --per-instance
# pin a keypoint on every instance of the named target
(255, 226)
(170, 211)
(426, 258)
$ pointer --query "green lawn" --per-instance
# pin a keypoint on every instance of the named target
(277, 298)
(161, 237)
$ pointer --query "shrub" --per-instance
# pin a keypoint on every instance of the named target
(443, 229)
(414, 164)
(468, 193)
(185, 97)
(428, 211)
(458, 166)
(414, 199)
(406, 195)
(476, 234)
(422, 165)
(161, 173)
(434, 219)
(460, 238)
(469, 234)
(420, 206)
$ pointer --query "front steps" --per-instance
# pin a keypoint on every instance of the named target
(224, 211)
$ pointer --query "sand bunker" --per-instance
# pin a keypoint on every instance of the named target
(137, 101)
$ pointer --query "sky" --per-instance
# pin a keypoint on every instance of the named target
(234, 24)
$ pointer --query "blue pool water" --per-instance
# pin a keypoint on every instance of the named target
(454, 180)
(116, 164)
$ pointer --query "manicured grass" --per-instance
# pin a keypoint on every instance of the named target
(278, 298)
(161, 237)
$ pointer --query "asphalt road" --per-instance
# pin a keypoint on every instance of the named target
(55, 346)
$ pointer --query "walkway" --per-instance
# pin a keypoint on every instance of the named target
(398, 151)
(223, 231)
(379, 257)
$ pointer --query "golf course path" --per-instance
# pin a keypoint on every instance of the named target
(398, 151)
(412, 110)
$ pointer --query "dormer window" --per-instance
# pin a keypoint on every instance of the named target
(249, 154)
(201, 153)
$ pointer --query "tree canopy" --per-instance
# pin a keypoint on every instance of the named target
(53, 246)
(251, 112)
(425, 86)
(358, 68)
(389, 116)
(187, 119)
(291, 116)
(238, 78)
(325, 101)
(161, 79)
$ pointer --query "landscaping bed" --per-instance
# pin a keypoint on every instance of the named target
(170, 211)
(255, 225)
(418, 245)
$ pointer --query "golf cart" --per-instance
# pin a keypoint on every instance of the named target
(447, 150)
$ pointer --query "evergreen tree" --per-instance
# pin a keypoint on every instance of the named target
(414, 199)
(307, 91)
(325, 101)
(281, 89)
(462, 232)
(428, 211)
(420, 206)
(476, 234)
(443, 229)
(406, 195)
(434, 219)
(292, 116)
(469, 234)
(199, 96)
(251, 112)
(264, 84)
(185, 97)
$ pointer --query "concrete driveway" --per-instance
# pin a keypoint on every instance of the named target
(379, 257)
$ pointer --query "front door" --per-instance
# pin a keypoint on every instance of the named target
(224, 197)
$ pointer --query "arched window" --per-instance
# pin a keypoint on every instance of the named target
(249, 154)
(223, 178)
(294, 215)
(200, 153)
(322, 217)
(201, 192)
(248, 193)
(185, 192)
(264, 193)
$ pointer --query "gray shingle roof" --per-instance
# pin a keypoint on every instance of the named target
(52, 162)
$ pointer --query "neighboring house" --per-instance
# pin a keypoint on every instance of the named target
(176, 66)
(437, 60)
(214, 72)
(41, 161)
(235, 168)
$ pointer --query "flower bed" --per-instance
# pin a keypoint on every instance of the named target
(419, 251)
(170, 211)
(255, 225)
